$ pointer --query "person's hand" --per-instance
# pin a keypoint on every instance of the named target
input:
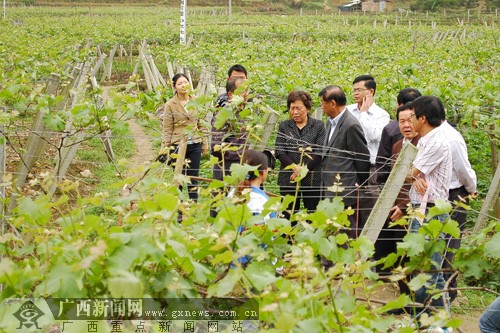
(367, 102)
(420, 185)
(396, 213)
(295, 172)
(296, 169)
(204, 151)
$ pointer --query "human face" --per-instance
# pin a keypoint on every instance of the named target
(298, 112)
(328, 108)
(360, 91)
(406, 124)
(181, 85)
(417, 123)
(238, 74)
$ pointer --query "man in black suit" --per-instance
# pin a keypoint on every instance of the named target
(345, 154)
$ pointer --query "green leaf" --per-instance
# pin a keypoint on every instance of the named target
(419, 281)
(239, 171)
(413, 244)
(310, 325)
(122, 259)
(260, 275)
(7, 267)
(440, 207)
(492, 248)
(201, 273)
(400, 302)
(222, 116)
(451, 227)
(54, 122)
(166, 201)
(225, 257)
(125, 286)
(331, 207)
(364, 246)
(226, 285)
(36, 212)
(390, 260)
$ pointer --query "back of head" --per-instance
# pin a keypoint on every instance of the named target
(233, 83)
(407, 95)
(255, 158)
(335, 93)
(369, 82)
(237, 68)
(429, 106)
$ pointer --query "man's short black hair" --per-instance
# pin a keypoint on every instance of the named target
(237, 68)
(407, 95)
(232, 84)
(335, 93)
(369, 82)
(429, 106)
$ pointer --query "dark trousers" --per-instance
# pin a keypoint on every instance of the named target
(310, 197)
(191, 167)
(459, 215)
(219, 173)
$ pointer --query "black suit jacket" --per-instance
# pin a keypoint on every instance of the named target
(390, 135)
(288, 142)
(347, 155)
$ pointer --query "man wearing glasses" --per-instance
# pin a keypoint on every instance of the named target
(371, 117)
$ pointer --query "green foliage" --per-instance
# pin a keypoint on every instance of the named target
(433, 5)
(478, 259)
(100, 244)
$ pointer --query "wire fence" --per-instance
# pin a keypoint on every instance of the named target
(370, 192)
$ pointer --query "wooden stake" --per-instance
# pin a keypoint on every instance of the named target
(269, 127)
(389, 193)
(36, 140)
(147, 72)
(170, 69)
(489, 202)
(70, 140)
(96, 68)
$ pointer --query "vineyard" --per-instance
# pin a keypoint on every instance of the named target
(87, 211)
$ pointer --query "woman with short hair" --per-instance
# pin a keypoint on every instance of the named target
(298, 144)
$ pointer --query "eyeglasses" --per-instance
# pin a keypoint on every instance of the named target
(407, 120)
(297, 108)
(355, 90)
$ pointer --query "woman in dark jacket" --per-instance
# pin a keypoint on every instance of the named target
(298, 144)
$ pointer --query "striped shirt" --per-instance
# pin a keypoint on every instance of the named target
(434, 162)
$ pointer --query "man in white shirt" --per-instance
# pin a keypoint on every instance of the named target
(430, 176)
(463, 184)
(371, 117)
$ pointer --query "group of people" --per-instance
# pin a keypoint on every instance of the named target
(350, 156)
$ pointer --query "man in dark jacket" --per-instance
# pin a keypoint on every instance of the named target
(345, 158)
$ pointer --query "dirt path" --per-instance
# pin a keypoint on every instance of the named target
(470, 321)
(144, 151)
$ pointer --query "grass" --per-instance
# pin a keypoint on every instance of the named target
(92, 152)
(472, 302)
